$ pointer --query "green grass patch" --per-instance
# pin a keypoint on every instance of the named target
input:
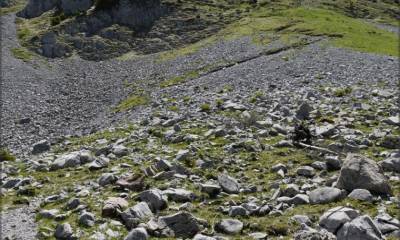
(341, 92)
(347, 32)
(22, 53)
(18, 6)
(30, 28)
(180, 79)
(132, 102)
(205, 107)
(5, 155)
(173, 108)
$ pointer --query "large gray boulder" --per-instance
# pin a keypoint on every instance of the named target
(334, 218)
(360, 228)
(361, 172)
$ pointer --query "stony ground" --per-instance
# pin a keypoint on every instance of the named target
(200, 146)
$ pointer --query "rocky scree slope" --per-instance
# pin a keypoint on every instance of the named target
(213, 158)
(190, 149)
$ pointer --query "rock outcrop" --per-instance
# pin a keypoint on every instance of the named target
(361, 172)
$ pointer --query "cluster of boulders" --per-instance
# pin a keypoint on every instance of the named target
(360, 179)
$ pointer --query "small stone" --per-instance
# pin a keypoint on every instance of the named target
(229, 226)
(63, 231)
(333, 163)
(134, 182)
(303, 111)
(211, 189)
(181, 224)
(306, 171)
(302, 219)
(40, 147)
(391, 164)
(362, 195)
(49, 214)
(137, 234)
(73, 203)
(228, 184)
(278, 167)
(258, 235)
(106, 179)
(120, 150)
(155, 199)
(238, 211)
(203, 237)
(326, 195)
(179, 195)
(114, 206)
(182, 155)
(87, 219)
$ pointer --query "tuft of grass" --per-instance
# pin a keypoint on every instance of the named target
(173, 108)
(5, 155)
(22, 53)
(180, 79)
(132, 102)
(219, 102)
(341, 92)
(206, 107)
(257, 95)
